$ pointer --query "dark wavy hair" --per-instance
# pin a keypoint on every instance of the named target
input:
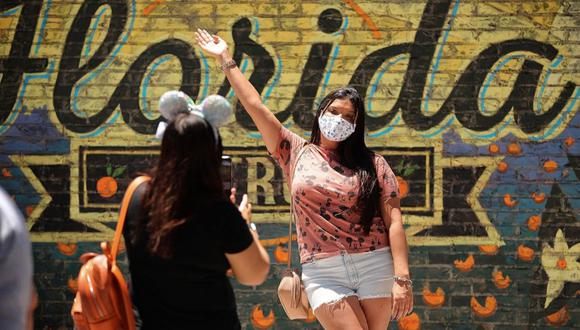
(355, 155)
(186, 177)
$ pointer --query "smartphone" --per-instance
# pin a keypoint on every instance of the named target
(226, 174)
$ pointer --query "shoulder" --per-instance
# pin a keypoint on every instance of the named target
(223, 208)
(290, 139)
(139, 192)
(381, 164)
(379, 160)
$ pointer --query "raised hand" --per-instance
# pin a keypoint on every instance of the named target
(211, 44)
(245, 207)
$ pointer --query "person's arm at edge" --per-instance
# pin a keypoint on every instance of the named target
(391, 212)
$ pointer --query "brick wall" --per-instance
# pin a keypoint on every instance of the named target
(473, 103)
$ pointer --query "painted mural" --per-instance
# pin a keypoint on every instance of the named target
(474, 104)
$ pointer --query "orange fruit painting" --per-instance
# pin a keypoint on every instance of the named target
(559, 318)
(501, 281)
(493, 148)
(484, 311)
(29, 209)
(107, 185)
(405, 170)
(434, 299)
(514, 149)
(281, 254)
(550, 166)
(66, 249)
(410, 322)
(6, 173)
(465, 265)
(403, 187)
(502, 167)
(538, 198)
(569, 141)
(508, 201)
(534, 222)
(490, 250)
(72, 285)
(259, 321)
(525, 253)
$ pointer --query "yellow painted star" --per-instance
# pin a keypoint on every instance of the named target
(560, 264)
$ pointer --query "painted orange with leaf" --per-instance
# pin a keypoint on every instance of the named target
(405, 169)
(107, 185)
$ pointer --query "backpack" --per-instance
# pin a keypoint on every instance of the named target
(102, 301)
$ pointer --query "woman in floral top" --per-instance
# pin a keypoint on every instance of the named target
(351, 239)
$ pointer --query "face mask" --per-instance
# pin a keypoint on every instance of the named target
(335, 128)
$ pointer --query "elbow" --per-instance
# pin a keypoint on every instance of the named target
(258, 275)
(255, 104)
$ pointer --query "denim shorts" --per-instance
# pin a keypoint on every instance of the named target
(365, 275)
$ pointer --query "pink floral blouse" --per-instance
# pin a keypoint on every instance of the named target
(324, 194)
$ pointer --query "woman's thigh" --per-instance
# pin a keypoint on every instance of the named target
(346, 314)
(377, 312)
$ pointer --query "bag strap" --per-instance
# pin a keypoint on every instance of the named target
(123, 214)
(292, 207)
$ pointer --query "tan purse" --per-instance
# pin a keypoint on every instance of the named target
(291, 291)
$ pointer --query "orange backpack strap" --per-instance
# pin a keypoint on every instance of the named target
(123, 213)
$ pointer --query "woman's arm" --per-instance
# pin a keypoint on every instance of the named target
(402, 291)
(397, 237)
(268, 125)
(252, 265)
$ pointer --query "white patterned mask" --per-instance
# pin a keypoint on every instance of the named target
(335, 128)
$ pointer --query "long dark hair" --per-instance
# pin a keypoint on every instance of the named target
(354, 154)
(186, 177)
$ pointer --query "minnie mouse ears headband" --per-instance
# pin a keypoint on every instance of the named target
(214, 108)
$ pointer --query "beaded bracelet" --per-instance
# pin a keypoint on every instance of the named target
(403, 279)
(228, 65)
